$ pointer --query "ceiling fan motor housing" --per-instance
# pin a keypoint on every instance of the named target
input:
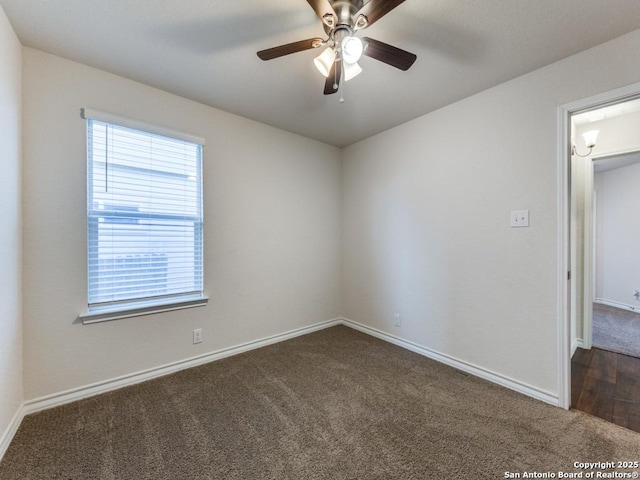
(345, 10)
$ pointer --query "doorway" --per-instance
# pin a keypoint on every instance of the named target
(603, 312)
(615, 320)
(603, 196)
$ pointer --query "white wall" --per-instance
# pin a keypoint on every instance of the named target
(426, 219)
(272, 230)
(10, 228)
(617, 134)
(618, 234)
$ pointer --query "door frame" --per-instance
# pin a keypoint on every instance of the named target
(588, 255)
(564, 279)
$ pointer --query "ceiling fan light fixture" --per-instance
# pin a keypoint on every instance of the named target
(352, 49)
(325, 61)
(342, 21)
(351, 70)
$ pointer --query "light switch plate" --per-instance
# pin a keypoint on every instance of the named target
(519, 218)
(197, 335)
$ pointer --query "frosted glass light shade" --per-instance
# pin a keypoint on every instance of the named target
(351, 49)
(351, 70)
(590, 138)
(324, 61)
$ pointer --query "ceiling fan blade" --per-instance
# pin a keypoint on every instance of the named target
(333, 80)
(275, 52)
(388, 54)
(322, 8)
(374, 10)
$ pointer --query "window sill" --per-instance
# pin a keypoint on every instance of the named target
(107, 316)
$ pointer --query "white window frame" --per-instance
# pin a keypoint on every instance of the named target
(147, 306)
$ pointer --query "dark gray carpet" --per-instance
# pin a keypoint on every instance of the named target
(335, 404)
(616, 330)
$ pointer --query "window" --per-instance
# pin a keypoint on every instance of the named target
(144, 215)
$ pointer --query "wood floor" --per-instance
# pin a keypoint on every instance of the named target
(607, 385)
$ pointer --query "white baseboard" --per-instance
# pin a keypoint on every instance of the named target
(467, 367)
(577, 343)
(68, 396)
(623, 306)
(61, 398)
(11, 430)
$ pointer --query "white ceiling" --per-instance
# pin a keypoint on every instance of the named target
(611, 162)
(206, 50)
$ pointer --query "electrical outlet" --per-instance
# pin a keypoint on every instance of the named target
(519, 218)
(197, 335)
(396, 319)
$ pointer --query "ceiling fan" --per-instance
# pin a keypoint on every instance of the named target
(341, 20)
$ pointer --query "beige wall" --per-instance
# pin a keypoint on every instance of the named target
(426, 219)
(424, 232)
(272, 221)
(10, 228)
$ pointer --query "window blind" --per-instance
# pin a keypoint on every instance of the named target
(144, 213)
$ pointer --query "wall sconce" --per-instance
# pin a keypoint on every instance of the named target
(589, 140)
